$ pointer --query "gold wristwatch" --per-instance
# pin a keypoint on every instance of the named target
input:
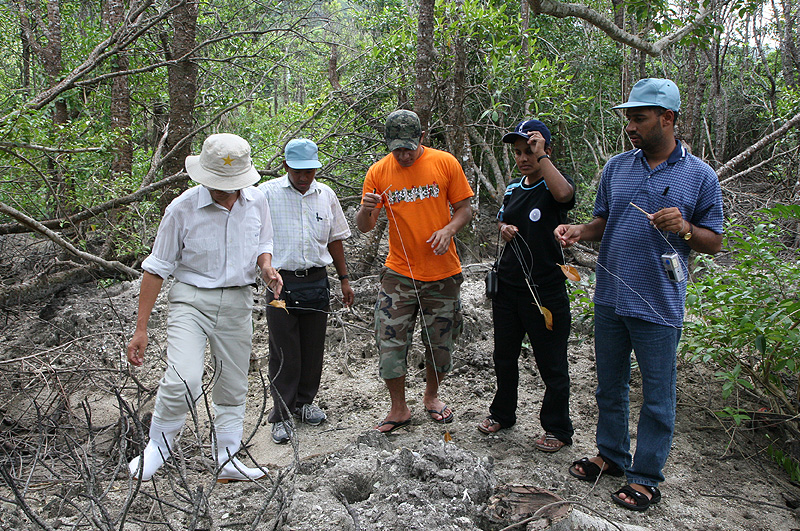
(688, 235)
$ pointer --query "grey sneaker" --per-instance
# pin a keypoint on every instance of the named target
(282, 431)
(311, 414)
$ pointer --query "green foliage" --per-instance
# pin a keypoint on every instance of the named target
(734, 414)
(744, 319)
(787, 462)
(582, 304)
(276, 56)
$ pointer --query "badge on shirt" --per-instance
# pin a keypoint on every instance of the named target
(535, 214)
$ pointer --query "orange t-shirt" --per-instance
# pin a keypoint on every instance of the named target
(417, 201)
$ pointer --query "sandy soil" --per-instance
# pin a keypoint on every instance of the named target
(717, 479)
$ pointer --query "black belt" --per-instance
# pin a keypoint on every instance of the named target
(301, 273)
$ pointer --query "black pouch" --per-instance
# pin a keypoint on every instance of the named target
(311, 295)
(491, 283)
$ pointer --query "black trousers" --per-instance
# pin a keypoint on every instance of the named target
(515, 315)
(296, 348)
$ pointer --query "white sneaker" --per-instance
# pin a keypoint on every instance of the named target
(311, 414)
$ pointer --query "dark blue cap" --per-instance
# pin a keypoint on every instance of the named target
(523, 128)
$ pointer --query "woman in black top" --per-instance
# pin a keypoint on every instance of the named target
(528, 271)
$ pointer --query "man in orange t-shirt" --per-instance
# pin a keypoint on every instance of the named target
(418, 186)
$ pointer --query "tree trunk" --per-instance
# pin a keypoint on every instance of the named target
(790, 51)
(42, 286)
(424, 87)
(182, 79)
(25, 67)
(690, 122)
(122, 163)
(456, 126)
(370, 252)
(49, 56)
(120, 97)
(720, 107)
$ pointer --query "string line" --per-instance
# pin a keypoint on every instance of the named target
(517, 249)
(687, 278)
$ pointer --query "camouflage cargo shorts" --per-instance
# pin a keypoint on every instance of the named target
(396, 313)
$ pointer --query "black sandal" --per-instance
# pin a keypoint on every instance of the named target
(591, 471)
(642, 501)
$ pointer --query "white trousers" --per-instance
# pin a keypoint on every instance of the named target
(223, 317)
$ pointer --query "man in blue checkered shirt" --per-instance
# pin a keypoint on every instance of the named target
(654, 205)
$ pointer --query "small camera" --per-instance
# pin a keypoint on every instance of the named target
(672, 265)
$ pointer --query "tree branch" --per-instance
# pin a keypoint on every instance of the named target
(745, 155)
(127, 32)
(18, 228)
(558, 9)
(38, 227)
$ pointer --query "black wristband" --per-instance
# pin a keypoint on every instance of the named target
(343, 277)
(543, 157)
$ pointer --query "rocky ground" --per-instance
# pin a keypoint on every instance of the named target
(69, 405)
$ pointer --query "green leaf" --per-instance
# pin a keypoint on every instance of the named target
(761, 343)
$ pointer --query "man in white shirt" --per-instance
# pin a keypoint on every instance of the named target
(210, 241)
(309, 228)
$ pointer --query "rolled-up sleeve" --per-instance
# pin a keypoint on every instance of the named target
(166, 253)
(265, 244)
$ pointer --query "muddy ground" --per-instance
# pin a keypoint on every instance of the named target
(70, 407)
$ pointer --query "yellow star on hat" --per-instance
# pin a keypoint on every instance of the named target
(228, 160)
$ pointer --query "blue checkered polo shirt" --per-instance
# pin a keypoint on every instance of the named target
(630, 275)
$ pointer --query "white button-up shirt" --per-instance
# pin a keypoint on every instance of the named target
(304, 224)
(202, 243)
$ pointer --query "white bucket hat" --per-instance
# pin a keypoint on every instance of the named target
(223, 164)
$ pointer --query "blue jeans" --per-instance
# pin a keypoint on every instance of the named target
(655, 346)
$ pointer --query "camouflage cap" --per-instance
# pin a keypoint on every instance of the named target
(402, 130)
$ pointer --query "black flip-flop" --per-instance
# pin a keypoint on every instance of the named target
(444, 420)
(395, 425)
(591, 471)
(642, 501)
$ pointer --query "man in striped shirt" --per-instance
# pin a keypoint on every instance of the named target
(309, 227)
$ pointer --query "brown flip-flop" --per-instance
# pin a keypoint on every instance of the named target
(549, 443)
(487, 428)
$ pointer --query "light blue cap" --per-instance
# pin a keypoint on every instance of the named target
(301, 154)
(653, 92)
